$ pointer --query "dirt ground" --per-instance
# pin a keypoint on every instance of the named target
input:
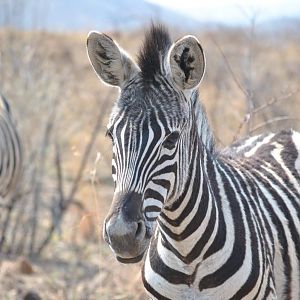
(69, 272)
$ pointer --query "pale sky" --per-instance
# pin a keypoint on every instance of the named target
(233, 11)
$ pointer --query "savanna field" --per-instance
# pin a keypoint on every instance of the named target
(51, 231)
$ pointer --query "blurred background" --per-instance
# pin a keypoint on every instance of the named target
(50, 231)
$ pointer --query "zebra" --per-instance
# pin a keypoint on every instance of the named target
(11, 154)
(206, 223)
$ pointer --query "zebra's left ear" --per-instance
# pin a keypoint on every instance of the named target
(110, 62)
(186, 62)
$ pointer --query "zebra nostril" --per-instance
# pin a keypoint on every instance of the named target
(140, 231)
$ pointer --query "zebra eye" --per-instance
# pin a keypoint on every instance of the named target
(171, 140)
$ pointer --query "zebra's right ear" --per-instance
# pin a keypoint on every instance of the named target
(109, 61)
(186, 62)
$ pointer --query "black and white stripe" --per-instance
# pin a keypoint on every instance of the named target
(10, 151)
(212, 224)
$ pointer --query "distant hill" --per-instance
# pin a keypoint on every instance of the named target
(105, 15)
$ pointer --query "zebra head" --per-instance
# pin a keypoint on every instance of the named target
(152, 128)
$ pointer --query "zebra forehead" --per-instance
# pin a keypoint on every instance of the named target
(138, 100)
(143, 121)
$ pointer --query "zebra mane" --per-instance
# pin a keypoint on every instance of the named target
(204, 130)
(155, 48)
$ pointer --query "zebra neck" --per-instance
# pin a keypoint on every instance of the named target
(185, 227)
(204, 131)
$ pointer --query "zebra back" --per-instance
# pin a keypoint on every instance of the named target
(11, 155)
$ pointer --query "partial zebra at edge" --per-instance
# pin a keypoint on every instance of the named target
(11, 152)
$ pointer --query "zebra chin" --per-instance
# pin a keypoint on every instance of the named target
(131, 255)
(132, 260)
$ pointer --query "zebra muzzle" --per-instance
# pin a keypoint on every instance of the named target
(125, 229)
(126, 239)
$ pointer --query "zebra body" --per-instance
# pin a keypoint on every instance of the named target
(210, 224)
(260, 191)
(10, 151)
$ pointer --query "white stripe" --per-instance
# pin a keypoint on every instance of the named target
(258, 145)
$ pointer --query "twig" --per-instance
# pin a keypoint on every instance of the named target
(249, 75)
(242, 124)
(39, 183)
(274, 120)
(256, 111)
(238, 83)
(274, 100)
(69, 199)
(59, 173)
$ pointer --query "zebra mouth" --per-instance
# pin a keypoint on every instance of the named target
(132, 260)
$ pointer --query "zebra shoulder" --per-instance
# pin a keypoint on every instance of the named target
(247, 146)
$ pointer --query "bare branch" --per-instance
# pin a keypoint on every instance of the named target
(70, 198)
(40, 175)
(273, 101)
(274, 120)
(236, 80)
(258, 110)
(59, 172)
(242, 124)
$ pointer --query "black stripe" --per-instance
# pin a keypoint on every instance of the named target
(220, 237)
(236, 258)
(250, 283)
(150, 289)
